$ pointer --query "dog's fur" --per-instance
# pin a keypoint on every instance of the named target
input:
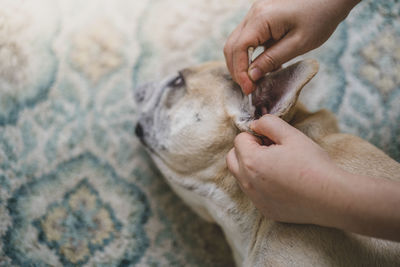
(188, 123)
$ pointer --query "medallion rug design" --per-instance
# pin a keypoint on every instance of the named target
(76, 187)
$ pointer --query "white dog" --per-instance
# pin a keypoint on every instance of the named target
(188, 124)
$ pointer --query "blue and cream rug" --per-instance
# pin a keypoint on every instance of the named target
(76, 188)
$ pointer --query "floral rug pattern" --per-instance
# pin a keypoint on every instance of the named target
(76, 187)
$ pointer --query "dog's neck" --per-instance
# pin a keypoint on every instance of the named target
(236, 214)
(228, 206)
(219, 199)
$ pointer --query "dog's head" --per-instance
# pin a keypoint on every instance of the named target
(189, 121)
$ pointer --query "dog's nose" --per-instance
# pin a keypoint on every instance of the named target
(139, 130)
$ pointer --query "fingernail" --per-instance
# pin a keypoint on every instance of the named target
(248, 87)
(255, 74)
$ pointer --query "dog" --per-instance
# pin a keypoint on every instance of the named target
(188, 123)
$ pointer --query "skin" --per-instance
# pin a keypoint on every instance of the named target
(294, 180)
(287, 28)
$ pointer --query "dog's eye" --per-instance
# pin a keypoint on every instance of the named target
(177, 82)
(176, 92)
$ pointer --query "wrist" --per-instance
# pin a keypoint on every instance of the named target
(333, 197)
(366, 205)
(347, 209)
(327, 190)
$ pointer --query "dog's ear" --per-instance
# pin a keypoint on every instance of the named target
(277, 92)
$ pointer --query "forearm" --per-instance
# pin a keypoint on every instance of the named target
(367, 206)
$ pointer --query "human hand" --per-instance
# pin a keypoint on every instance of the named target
(287, 28)
(291, 180)
(295, 181)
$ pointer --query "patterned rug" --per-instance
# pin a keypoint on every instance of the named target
(76, 187)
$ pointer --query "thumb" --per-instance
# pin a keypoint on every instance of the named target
(276, 55)
(245, 145)
(274, 128)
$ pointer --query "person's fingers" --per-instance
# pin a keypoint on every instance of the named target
(245, 145)
(240, 66)
(269, 44)
(228, 48)
(274, 128)
(234, 167)
(279, 53)
(246, 83)
(232, 162)
(249, 37)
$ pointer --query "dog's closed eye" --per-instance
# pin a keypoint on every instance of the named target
(177, 81)
(176, 91)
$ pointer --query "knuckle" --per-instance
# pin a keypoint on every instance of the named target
(268, 63)
(242, 45)
(245, 41)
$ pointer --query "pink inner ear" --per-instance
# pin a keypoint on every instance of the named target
(271, 91)
(278, 91)
(268, 95)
